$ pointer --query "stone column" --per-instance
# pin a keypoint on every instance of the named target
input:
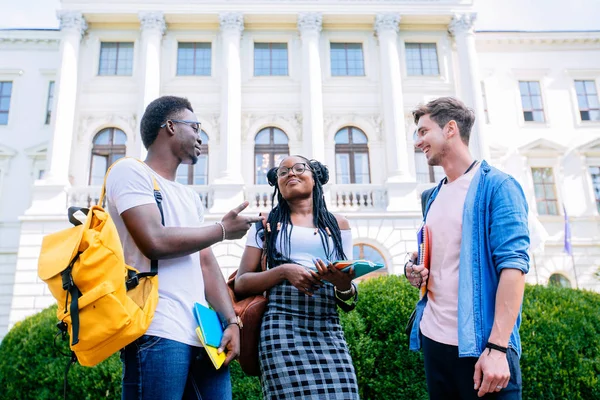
(49, 195)
(229, 182)
(399, 181)
(461, 27)
(309, 25)
(153, 28)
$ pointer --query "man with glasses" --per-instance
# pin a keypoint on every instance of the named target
(168, 361)
(467, 323)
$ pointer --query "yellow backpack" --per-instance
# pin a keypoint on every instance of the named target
(103, 303)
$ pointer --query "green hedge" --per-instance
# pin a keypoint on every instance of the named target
(560, 334)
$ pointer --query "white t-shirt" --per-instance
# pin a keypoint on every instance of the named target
(444, 219)
(305, 245)
(129, 185)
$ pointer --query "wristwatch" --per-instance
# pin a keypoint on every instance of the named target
(235, 320)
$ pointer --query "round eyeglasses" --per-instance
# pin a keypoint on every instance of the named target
(195, 125)
(297, 169)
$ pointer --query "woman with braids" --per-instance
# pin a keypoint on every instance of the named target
(302, 350)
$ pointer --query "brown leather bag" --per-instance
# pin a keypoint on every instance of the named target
(250, 310)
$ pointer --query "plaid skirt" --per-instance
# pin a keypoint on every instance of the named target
(303, 352)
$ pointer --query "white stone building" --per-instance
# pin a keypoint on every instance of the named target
(333, 80)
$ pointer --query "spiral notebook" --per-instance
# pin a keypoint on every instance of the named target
(423, 243)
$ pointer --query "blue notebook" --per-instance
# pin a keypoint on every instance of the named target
(361, 267)
(209, 323)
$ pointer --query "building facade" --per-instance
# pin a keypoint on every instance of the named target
(333, 80)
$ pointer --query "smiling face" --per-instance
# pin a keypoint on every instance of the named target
(187, 139)
(432, 140)
(294, 185)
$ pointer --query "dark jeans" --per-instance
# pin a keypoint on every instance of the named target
(163, 369)
(451, 377)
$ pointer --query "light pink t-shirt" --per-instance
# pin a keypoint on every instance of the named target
(444, 219)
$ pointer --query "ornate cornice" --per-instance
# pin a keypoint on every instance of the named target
(152, 20)
(72, 20)
(386, 22)
(14, 40)
(231, 21)
(310, 22)
(462, 23)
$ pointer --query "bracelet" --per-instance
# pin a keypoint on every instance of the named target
(344, 292)
(493, 346)
(222, 228)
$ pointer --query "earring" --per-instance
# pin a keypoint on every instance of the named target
(278, 226)
(268, 227)
(328, 231)
(316, 230)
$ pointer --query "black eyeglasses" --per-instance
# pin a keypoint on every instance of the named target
(298, 169)
(195, 125)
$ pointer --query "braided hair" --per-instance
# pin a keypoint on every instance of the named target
(280, 218)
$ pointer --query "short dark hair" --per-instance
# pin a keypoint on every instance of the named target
(157, 113)
(445, 109)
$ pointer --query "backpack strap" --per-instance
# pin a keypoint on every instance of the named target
(133, 279)
(425, 196)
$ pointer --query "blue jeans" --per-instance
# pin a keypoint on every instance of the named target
(163, 369)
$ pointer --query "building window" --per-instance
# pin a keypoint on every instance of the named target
(270, 148)
(351, 156)
(5, 93)
(427, 173)
(347, 59)
(196, 174)
(587, 99)
(422, 59)
(270, 59)
(531, 100)
(559, 280)
(485, 106)
(194, 59)
(545, 191)
(362, 251)
(595, 172)
(108, 146)
(49, 102)
(116, 58)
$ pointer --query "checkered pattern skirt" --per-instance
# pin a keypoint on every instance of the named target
(303, 352)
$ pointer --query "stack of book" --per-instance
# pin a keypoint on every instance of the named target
(210, 333)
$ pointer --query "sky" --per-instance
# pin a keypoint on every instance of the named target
(503, 15)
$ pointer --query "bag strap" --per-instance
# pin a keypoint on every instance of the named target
(425, 196)
(133, 278)
(263, 256)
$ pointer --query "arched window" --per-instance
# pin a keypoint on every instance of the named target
(108, 146)
(196, 174)
(270, 147)
(362, 251)
(351, 156)
(559, 280)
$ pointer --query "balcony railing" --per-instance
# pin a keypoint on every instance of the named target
(86, 196)
(259, 197)
(348, 198)
(358, 198)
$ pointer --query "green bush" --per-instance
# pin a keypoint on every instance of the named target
(31, 367)
(560, 334)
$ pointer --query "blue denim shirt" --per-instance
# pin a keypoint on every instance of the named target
(495, 235)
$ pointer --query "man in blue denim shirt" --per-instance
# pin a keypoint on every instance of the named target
(467, 323)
